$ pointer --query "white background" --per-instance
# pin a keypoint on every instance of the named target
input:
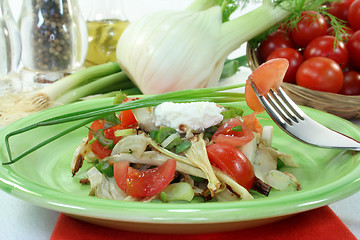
(21, 220)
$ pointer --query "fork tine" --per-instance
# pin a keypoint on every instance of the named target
(291, 104)
(273, 113)
(290, 118)
(282, 107)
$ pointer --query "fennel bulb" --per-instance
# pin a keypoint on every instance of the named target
(167, 51)
(175, 50)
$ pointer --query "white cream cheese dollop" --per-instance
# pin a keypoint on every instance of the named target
(196, 115)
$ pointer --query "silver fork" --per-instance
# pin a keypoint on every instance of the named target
(289, 117)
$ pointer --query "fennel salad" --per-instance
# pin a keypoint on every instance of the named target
(182, 152)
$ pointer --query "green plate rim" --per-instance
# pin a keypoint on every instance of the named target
(175, 213)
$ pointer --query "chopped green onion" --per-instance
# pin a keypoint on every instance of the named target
(174, 143)
(100, 137)
(105, 168)
(280, 164)
(180, 191)
(163, 133)
(92, 141)
(238, 111)
(197, 199)
(197, 179)
(183, 146)
(112, 118)
(227, 114)
(237, 128)
(123, 132)
(209, 132)
(153, 134)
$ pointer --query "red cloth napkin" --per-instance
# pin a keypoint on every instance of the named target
(321, 223)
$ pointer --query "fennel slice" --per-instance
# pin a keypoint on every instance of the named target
(198, 155)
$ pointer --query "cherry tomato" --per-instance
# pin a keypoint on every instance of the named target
(99, 150)
(277, 39)
(295, 60)
(226, 134)
(354, 15)
(268, 75)
(320, 73)
(251, 122)
(128, 119)
(351, 84)
(340, 9)
(345, 36)
(311, 26)
(145, 183)
(324, 47)
(353, 46)
(233, 162)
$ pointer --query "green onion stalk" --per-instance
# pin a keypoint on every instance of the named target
(96, 80)
(217, 94)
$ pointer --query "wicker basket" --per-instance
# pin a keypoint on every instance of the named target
(341, 105)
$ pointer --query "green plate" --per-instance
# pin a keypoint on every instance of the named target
(44, 179)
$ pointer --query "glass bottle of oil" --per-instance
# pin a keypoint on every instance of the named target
(105, 24)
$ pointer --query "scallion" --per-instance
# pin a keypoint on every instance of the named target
(123, 132)
(215, 94)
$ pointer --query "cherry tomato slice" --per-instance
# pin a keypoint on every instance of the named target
(145, 183)
(128, 119)
(268, 75)
(226, 134)
(233, 162)
(99, 150)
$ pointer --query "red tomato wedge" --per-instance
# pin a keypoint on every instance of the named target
(233, 162)
(226, 134)
(145, 183)
(128, 119)
(268, 75)
(99, 150)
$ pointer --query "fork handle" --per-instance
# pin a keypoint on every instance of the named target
(345, 142)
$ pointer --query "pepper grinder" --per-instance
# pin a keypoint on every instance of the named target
(54, 40)
(10, 43)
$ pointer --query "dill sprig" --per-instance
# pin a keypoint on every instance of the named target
(230, 6)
